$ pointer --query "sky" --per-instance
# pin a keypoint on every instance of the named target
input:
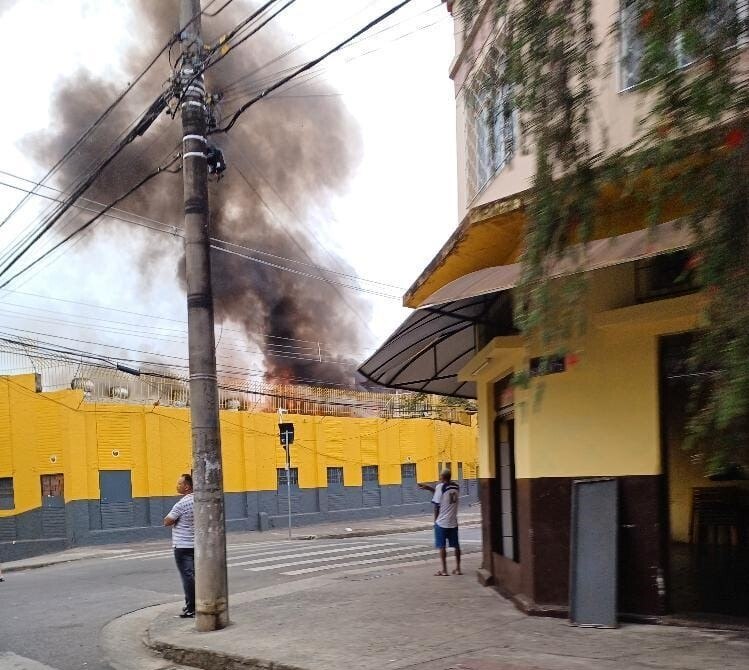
(399, 203)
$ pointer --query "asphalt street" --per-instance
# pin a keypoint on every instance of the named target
(53, 615)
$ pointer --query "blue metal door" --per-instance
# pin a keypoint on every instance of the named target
(116, 499)
(371, 486)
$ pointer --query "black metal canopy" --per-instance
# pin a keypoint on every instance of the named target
(429, 348)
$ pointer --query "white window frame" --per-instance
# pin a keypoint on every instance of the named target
(481, 165)
(742, 9)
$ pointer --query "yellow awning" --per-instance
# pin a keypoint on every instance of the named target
(595, 255)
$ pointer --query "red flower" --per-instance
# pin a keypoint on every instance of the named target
(571, 360)
(734, 138)
(646, 19)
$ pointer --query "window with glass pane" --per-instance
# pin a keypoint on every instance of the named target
(6, 493)
(491, 124)
(408, 471)
(724, 18)
(335, 476)
(282, 476)
(631, 44)
(721, 23)
(370, 474)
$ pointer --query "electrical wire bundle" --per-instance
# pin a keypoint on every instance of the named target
(254, 90)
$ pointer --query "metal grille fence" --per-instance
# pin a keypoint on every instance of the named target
(104, 384)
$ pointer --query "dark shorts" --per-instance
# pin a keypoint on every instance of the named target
(445, 536)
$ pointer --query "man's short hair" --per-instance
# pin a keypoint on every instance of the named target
(187, 479)
(446, 474)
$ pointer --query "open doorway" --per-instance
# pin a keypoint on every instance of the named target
(504, 504)
(708, 517)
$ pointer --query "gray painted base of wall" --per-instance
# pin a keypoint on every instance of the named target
(22, 536)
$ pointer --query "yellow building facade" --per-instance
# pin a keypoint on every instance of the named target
(60, 455)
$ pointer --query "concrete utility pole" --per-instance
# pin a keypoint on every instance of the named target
(212, 603)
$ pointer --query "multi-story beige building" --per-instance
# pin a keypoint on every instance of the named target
(587, 494)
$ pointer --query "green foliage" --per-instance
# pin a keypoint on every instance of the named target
(693, 148)
(466, 11)
(465, 404)
(410, 402)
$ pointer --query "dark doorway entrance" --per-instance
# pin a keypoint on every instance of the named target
(504, 505)
(708, 529)
(53, 505)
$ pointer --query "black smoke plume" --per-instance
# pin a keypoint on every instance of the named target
(296, 152)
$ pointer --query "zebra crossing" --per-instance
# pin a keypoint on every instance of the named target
(295, 558)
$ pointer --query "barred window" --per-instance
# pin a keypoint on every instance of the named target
(282, 477)
(490, 122)
(335, 476)
(408, 471)
(631, 44)
(7, 500)
(723, 15)
(370, 473)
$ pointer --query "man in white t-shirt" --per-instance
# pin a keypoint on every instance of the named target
(445, 501)
(182, 522)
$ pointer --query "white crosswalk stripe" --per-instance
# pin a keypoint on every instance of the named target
(162, 553)
(355, 554)
(318, 552)
(424, 553)
(291, 548)
(297, 557)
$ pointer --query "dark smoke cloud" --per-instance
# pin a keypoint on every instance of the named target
(306, 148)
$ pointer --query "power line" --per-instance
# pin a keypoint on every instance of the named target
(313, 74)
(86, 225)
(234, 88)
(295, 356)
(301, 273)
(78, 356)
(244, 38)
(293, 239)
(308, 66)
(311, 349)
(87, 133)
(173, 230)
(91, 209)
(141, 126)
(226, 38)
(103, 116)
(153, 317)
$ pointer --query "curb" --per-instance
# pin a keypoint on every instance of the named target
(123, 644)
(211, 660)
(42, 564)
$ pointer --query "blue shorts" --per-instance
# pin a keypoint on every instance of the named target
(445, 536)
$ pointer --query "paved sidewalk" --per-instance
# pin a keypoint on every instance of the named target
(339, 529)
(404, 617)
